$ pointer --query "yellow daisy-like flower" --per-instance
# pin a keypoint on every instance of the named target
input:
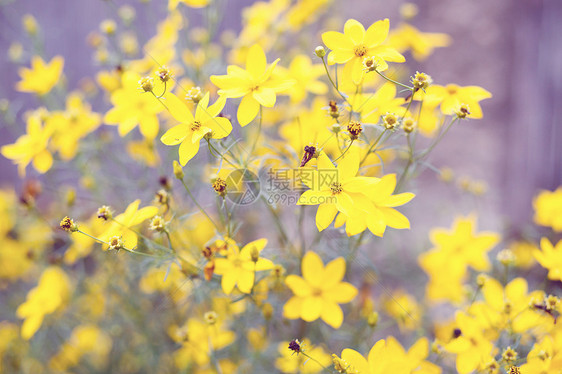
(363, 202)
(356, 43)
(548, 209)
(132, 107)
(452, 96)
(42, 77)
(240, 266)
(122, 224)
(550, 257)
(51, 294)
(193, 128)
(254, 84)
(319, 291)
(31, 147)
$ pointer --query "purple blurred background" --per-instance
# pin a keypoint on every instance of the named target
(509, 47)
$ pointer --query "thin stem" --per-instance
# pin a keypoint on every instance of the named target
(125, 248)
(199, 206)
(331, 81)
(372, 147)
(345, 151)
(393, 81)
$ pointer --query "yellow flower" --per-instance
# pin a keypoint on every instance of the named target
(240, 266)
(121, 224)
(469, 343)
(404, 309)
(373, 105)
(41, 78)
(453, 96)
(446, 276)
(319, 291)
(545, 357)
(198, 339)
(254, 84)
(72, 125)
(31, 147)
(336, 189)
(85, 341)
(173, 4)
(550, 257)
(132, 107)
(290, 362)
(407, 37)
(462, 240)
(351, 47)
(508, 308)
(192, 129)
(305, 74)
(548, 209)
(388, 356)
(50, 295)
(311, 126)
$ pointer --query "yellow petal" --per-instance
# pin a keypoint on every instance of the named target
(248, 110)
(313, 269)
(298, 285)
(325, 215)
(256, 62)
(265, 96)
(187, 151)
(43, 161)
(312, 308)
(175, 135)
(377, 33)
(355, 31)
(332, 314)
(177, 108)
(337, 41)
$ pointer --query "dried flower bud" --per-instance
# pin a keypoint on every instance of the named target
(354, 128)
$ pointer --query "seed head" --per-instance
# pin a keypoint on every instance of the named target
(421, 80)
(219, 186)
(354, 128)
(146, 84)
(67, 224)
(105, 213)
(116, 243)
(462, 111)
(164, 74)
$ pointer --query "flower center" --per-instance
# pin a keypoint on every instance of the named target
(360, 50)
(336, 188)
(452, 89)
(196, 125)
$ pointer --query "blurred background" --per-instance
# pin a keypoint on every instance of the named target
(509, 47)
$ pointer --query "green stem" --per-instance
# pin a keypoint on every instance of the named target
(199, 206)
(345, 151)
(393, 81)
(372, 147)
(126, 249)
(333, 84)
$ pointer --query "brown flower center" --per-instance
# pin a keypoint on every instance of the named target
(360, 50)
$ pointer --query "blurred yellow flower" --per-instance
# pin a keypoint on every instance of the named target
(550, 257)
(50, 295)
(548, 209)
(42, 77)
(31, 147)
(406, 37)
(132, 108)
(319, 291)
